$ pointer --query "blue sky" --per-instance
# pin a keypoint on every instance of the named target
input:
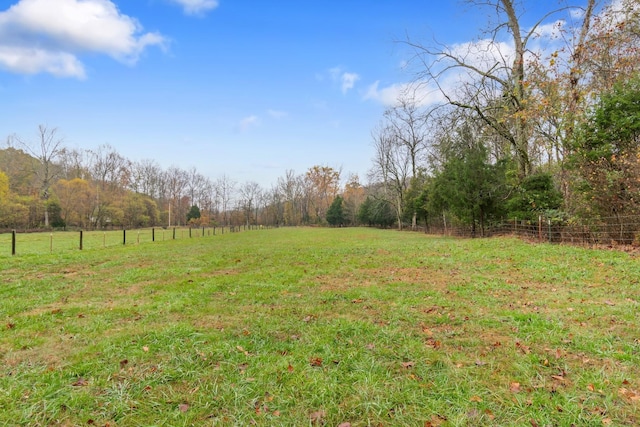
(244, 88)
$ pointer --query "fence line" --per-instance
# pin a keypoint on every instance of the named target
(25, 242)
(614, 231)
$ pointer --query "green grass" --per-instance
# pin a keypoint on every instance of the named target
(320, 327)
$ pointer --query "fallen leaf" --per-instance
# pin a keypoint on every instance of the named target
(357, 301)
(590, 387)
(523, 348)
(123, 363)
(514, 387)
(145, 348)
(183, 407)
(435, 421)
(489, 414)
(290, 368)
(433, 343)
(558, 377)
(276, 413)
(534, 423)
(316, 361)
(344, 425)
(80, 382)
(475, 399)
(370, 346)
(408, 365)
(316, 417)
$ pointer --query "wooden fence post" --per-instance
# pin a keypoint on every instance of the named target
(13, 242)
(80, 239)
(124, 236)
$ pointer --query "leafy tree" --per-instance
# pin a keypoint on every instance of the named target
(470, 187)
(607, 153)
(376, 212)
(322, 184)
(77, 200)
(193, 214)
(4, 186)
(335, 213)
(535, 194)
(55, 214)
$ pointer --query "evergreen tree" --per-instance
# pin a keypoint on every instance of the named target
(194, 213)
(470, 187)
(335, 213)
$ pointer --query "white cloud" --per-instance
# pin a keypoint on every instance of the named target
(34, 60)
(47, 35)
(196, 7)
(248, 122)
(577, 13)
(275, 114)
(347, 80)
(552, 30)
(389, 96)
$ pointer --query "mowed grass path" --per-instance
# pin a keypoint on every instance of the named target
(327, 327)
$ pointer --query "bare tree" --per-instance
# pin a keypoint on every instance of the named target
(250, 194)
(146, 178)
(46, 150)
(111, 174)
(176, 181)
(492, 76)
(408, 124)
(224, 193)
(391, 169)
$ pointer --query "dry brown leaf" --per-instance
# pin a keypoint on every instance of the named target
(514, 387)
(80, 382)
(315, 361)
(183, 407)
(317, 417)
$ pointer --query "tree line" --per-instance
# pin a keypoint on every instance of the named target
(44, 184)
(528, 120)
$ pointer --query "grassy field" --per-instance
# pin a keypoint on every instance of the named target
(334, 327)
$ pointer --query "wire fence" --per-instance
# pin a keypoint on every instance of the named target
(16, 242)
(614, 231)
(610, 232)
